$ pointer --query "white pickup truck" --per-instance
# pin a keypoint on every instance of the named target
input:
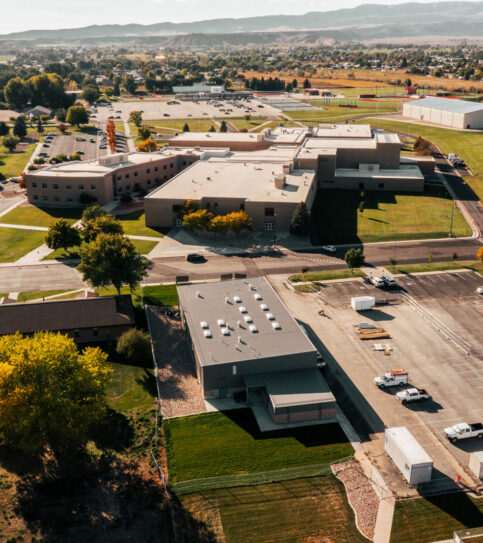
(412, 395)
(391, 379)
(464, 430)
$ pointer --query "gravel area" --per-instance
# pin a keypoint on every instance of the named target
(178, 386)
(361, 495)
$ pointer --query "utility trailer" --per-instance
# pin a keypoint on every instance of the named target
(408, 455)
(363, 303)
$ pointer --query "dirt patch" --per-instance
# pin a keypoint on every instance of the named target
(361, 495)
(178, 386)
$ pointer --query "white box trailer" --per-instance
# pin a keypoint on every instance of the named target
(408, 455)
(476, 464)
(362, 303)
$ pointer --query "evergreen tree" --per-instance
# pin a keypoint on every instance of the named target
(20, 127)
(186, 127)
(300, 223)
(223, 127)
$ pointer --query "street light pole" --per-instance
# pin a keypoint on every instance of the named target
(451, 223)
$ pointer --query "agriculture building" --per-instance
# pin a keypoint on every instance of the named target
(445, 111)
(243, 338)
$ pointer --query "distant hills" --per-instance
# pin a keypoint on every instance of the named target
(365, 22)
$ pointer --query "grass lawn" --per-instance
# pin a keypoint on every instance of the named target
(441, 266)
(300, 510)
(38, 294)
(142, 246)
(467, 145)
(326, 275)
(40, 216)
(243, 124)
(131, 387)
(134, 224)
(387, 216)
(12, 164)
(331, 114)
(230, 443)
(307, 287)
(15, 243)
(434, 519)
(176, 125)
(164, 295)
(119, 125)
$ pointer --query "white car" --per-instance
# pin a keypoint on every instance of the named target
(479, 290)
(329, 248)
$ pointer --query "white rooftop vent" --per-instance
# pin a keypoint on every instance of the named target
(253, 329)
(258, 296)
(204, 324)
(249, 286)
(207, 333)
(225, 331)
(227, 299)
(270, 316)
(237, 299)
(276, 326)
(248, 318)
(242, 309)
(264, 307)
(238, 323)
(198, 294)
(221, 322)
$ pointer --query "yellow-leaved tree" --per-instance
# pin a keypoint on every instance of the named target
(50, 393)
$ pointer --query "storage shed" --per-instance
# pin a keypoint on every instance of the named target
(445, 111)
(476, 464)
(408, 455)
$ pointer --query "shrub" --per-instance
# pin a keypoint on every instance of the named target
(126, 198)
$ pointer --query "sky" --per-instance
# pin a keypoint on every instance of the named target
(21, 15)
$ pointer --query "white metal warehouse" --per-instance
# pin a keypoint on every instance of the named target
(445, 111)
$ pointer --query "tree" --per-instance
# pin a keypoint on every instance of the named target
(147, 146)
(4, 128)
(479, 254)
(10, 142)
(212, 129)
(223, 127)
(62, 235)
(392, 262)
(20, 127)
(91, 213)
(40, 127)
(135, 346)
(136, 117)
(90, 94)
(116, 90)
(295, 83)
(111, 259)
(77, 115)
(50, 393)
(186, 127)
(144, 133)
(198, 220)
(300, 223)
(62, 127)
(106, 224)
(129, 84)
(354, 258)
(111, 135)
(307, 84)
(237, 221)
(17, 93)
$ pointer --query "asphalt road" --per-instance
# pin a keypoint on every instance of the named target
(59, 275)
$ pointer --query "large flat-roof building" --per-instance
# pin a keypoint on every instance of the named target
(266, 186)
(244, 338)
(445, 111)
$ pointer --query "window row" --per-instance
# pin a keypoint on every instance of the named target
(148, 170)
(55, 186)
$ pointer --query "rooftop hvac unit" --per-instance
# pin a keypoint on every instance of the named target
(204, 324)
(276, 326)
(270, 316)
(227, 300)
(237, 299)
(225, 332)
(198, 294)
(253, 329)
(247, 318)
(258, 297)
(242, 309)
(264, 307)
(207, 333)
(221, 322)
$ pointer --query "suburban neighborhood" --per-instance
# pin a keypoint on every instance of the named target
(241, 274)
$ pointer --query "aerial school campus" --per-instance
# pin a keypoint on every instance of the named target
(241, 304)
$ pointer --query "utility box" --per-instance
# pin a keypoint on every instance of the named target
(408, 455)
(362, 303)
(476, 464)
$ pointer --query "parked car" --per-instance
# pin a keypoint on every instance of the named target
(479, 290)
(391, 379)
(195, 258)
(92, 140)
(329, 248)
(378, 282)
(412, 395)
(165, 114)
(464, 430)
(80, 138)
(389, 281)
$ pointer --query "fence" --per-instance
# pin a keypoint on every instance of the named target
(249, 479)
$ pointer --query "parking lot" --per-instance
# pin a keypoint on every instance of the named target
(160, 109)
(88, 145)
(417, 318)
